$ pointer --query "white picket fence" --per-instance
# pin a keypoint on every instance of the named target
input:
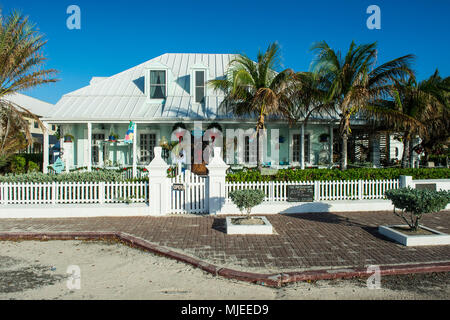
(73, 192)
(194, 197)
(323, 190)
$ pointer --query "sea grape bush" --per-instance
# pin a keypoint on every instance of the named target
(415, 203)
(247, 199)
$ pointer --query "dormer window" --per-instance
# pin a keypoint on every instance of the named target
(199, 86)
(158, 84)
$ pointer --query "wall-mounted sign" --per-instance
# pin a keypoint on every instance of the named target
(178, 187)
(426, 186)
(300, 193)
(58, 166)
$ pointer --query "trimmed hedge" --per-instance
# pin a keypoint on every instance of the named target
(253, 175)
(94, 176)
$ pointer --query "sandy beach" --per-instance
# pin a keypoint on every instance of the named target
(38, 270)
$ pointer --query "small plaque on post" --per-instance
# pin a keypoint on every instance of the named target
(178, 187)
(300, 193)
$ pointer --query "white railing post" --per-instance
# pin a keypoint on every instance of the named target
(159, 185)
(360, 190)
(217, 173)
(53, 192)
(316, 191)
(3, 193)
(406, 181)
(101, 192)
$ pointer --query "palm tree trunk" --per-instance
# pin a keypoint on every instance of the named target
(405, 153)
(344, 151)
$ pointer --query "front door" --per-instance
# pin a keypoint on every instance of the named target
(198, 168)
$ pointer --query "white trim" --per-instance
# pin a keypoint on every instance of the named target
(134, 162)
(89, 142)
(45, 146)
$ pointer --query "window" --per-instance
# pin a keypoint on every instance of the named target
(247, 149)
(199, 86)
(158, 84)
(147, 143)
(96, 148)
(307, 150)
(296, 148)
(36, 125)
(296, 145)
(53, 127)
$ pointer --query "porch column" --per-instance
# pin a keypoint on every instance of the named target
(45, 151)
(331, 144)
(374, 145)
(302, 147)
(89, 149)
(135, 150)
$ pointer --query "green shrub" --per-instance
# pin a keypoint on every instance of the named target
(415, 203)
(247, 199)
(295, 174)
(17, 164)
(94, 176)
(33, 167)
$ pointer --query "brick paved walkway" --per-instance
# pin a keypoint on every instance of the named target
(303, 241)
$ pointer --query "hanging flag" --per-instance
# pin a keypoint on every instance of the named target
(130, 133)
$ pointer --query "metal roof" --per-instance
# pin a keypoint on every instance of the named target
(35, 106)
(122, 97)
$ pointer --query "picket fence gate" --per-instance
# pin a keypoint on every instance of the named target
(193, 196)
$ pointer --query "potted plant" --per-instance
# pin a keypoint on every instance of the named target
(413, 204)
(113, 137)
(68, 138)
(245, 200)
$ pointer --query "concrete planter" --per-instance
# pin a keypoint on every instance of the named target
(438, 238)
(265, 228)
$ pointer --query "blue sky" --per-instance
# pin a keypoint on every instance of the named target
(117, 35)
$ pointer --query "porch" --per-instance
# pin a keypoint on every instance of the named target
(91, 145)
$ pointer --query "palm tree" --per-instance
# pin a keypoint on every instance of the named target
(354, 81)
(256, 88)
(425, 107)
(21, 62)
(307, 97)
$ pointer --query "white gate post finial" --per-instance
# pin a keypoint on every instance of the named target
(159, 185)
(217, 173)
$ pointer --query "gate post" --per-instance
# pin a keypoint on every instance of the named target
(217, 172)
(159, 185)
